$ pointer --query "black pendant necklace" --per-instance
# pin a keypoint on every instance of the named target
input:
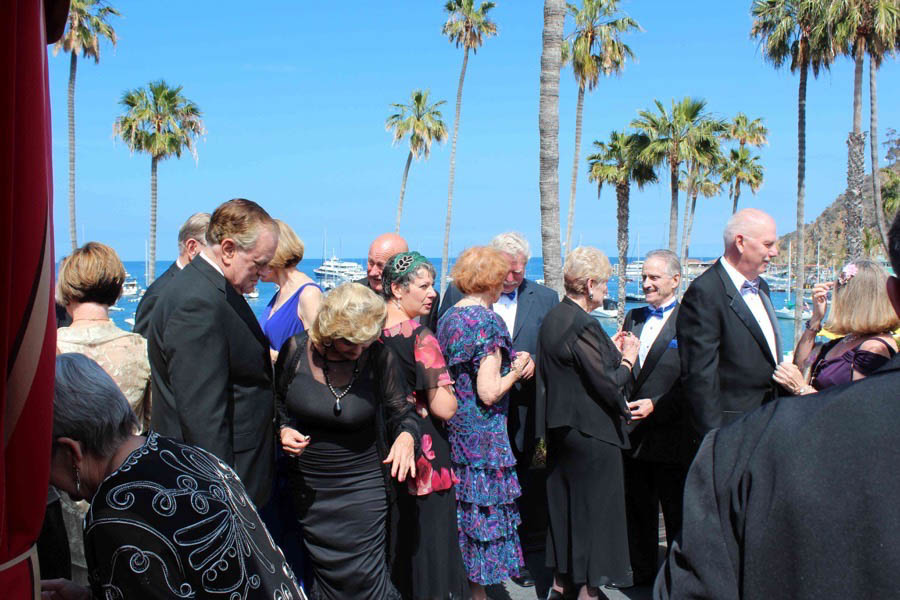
(338, 395)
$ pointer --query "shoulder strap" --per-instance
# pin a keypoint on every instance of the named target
(890, 349)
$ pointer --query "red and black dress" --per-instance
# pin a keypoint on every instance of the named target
(429, 563)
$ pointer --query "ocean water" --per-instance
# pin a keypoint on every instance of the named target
(126, 306)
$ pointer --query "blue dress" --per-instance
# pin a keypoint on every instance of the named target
(479, 448)
(285, 322)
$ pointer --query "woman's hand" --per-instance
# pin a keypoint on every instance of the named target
(63, 589)
(524, 365)
(820, 303)
(631, 345)
(402, 457)
(292, 441)
(790, 378)
(640, 409)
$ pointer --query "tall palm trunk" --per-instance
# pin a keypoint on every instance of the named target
(445, 256)
(73, 229)
(571, 218)
(686, 241)
(548, 127)
(873, 150)
(623, 191)
(800, 255)
(673, 210)
(856, 141)
(692, 173)
(403, 191)
(737, 195)
(151, 256)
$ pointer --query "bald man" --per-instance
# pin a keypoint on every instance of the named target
(382, 249)
(728, 337)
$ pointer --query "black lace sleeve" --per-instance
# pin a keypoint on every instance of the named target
(598, 362)
(394, 391)
(285, 369)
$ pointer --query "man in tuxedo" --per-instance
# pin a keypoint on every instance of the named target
(210, 367)
(662, 441)
(191, 239)
(799, 499)
(381, 250)
(727, 330)
(522, 306)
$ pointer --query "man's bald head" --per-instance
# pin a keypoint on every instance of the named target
(385, 246)
(750, 241)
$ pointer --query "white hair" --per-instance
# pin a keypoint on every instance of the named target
(673, 265)
(512, 242)
(742, 222)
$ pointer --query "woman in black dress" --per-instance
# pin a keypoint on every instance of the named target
(344, 414)
(429, 562)
(580, 402)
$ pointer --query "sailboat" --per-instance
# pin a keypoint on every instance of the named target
(787, 311)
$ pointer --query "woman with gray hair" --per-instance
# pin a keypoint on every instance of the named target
(167, 520)
(581, 405)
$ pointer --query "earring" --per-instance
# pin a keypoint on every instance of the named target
(590, 295)
(77, 479)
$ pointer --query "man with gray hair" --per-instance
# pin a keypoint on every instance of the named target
(522, 306)
(210, 365)
(727, 330)
(191, 239)
(662, 440)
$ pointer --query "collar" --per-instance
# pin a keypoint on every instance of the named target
(736, 278)
(661, 310)
(212, 262)
(178, 263)
(666, 305)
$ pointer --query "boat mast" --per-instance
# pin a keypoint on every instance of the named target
(790, 264)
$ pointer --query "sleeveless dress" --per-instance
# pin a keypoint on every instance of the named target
(338, 483)
(285, 322)
(839, 369)
(482, 458)
(429, 563)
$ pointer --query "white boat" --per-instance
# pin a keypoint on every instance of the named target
(604, 313)
(335, 271)
(788, 313)
(130, 321)
(254, 293)
(130, 287)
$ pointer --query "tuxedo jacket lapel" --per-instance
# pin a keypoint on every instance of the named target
(660, 344)
(523, 304)
(639, 319)
(770, 310)
(739, 306)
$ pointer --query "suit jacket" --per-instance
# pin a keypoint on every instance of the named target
(151, 296)
(666, 435)
(726, 364)
(580, 381)
(533, 302)
(430, 320)
(212, 375)
(797, 500)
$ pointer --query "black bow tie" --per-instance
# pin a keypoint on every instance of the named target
(751, 287)
(659, 312)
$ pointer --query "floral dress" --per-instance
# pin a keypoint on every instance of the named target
(479, 448)
(429, 562)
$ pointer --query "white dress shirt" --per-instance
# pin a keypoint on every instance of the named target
(756, 306)
(212, 262)
(506, 310)
(652, 326)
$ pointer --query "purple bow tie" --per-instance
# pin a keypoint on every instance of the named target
(751, 287)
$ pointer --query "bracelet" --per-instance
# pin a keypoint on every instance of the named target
(809, 326)
(628, 362)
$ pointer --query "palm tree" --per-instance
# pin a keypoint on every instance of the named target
(595, 49)
(674, 137)
(617, 163)
(466, 26)
(548, 133)
(160, 121)
(739, 168)
(86, 26)
(864, 27)
(795, 31)
(871, 242)
(747, 132)
(423, 123)
(696, 182)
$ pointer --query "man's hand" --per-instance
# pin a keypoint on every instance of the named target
(640, 409)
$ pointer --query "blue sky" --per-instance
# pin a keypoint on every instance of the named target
(295, 94)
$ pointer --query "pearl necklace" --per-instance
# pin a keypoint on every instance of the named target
(338, 395)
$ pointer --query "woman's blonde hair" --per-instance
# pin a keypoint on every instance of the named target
(861, 304)
(289, 251)
(479, 269)
(584, 263)
(92, 273)
(350, 312)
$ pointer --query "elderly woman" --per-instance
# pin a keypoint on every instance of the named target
(295, 304)
(429, 563)
(90, 281)
(167, 520)
(343, 412)
(581, 404)
(862, 316)
(484, 366)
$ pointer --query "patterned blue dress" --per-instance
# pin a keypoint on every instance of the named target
(479, 448)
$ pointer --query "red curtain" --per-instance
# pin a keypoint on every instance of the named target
(27, 324)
